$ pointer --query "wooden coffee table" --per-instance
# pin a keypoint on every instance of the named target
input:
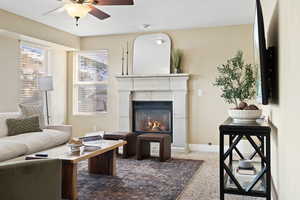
(101, 161)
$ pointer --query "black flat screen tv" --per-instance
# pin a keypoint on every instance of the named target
(261, 57)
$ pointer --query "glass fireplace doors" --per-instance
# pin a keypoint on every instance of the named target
(152, 117)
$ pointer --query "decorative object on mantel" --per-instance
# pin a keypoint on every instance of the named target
(237, 82)
(123, 61)
(127, 53)
(152, 54)
(176, 60)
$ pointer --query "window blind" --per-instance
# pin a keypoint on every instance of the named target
(91, 82)
(32, 65)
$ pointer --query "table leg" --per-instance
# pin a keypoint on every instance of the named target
(221, 166)
(143, 149)
(103, 164)
(69, 181)
(268, 164)
(262, 149)
(230, 155)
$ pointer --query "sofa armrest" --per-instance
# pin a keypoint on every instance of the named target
(64, 128)
(34, 180)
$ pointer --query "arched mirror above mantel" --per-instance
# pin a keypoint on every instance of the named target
(152, 54)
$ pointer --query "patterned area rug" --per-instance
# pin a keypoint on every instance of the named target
(138, 180)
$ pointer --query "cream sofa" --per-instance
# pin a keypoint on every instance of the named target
(12, 147)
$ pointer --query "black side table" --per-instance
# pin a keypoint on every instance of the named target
(258, 185)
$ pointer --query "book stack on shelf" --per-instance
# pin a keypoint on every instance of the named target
(246, 171)
(246, 175)
(245, 168)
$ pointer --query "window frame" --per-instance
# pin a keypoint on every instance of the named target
(76, 84)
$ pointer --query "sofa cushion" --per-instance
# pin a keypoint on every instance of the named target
(37, 141)
(3, 118)
(18, 126)
(10, 150)
(29, 110)
(58, 137)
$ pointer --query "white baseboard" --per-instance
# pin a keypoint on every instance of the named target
(180, 149)
(191, 147)
(205, 148)
(155, 148)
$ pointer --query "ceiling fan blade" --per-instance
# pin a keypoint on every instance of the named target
(58, 9)
(113, 2)
(98, 13)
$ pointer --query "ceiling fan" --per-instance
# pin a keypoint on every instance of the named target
(80, 8)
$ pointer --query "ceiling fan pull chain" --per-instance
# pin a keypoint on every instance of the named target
(77, 19)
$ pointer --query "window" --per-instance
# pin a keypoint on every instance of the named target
(90, 82)
(32, 65)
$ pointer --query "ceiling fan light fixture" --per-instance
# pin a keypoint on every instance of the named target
(159, 41)
(77, 10)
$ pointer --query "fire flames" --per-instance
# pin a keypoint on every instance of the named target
(154, 126)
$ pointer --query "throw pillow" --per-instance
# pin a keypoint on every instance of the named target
(23, 125)
(29, 110)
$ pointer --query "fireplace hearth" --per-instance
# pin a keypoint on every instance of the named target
(152, 117)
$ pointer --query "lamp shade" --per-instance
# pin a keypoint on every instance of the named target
(45, 83)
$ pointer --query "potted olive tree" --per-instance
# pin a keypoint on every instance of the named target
(237, 81)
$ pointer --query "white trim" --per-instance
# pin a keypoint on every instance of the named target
(92, 51)
(155, 148)
(151, 76)
(33, 44)
(89, 113)
(180, 149)
(90, 83)
(205, 148)
(192, 148)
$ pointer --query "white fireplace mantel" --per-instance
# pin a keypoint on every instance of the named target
(169, 87)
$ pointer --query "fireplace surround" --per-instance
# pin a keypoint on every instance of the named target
(155, 88)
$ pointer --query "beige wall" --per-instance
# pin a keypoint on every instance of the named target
(203, 48)
(9, 82)
(21, 25)
(270, 11)
(289, 137)
(58, 97)
(283, 26)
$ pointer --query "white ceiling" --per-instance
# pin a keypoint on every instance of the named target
(160, 14)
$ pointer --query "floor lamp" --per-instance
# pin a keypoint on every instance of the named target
(46, 85)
